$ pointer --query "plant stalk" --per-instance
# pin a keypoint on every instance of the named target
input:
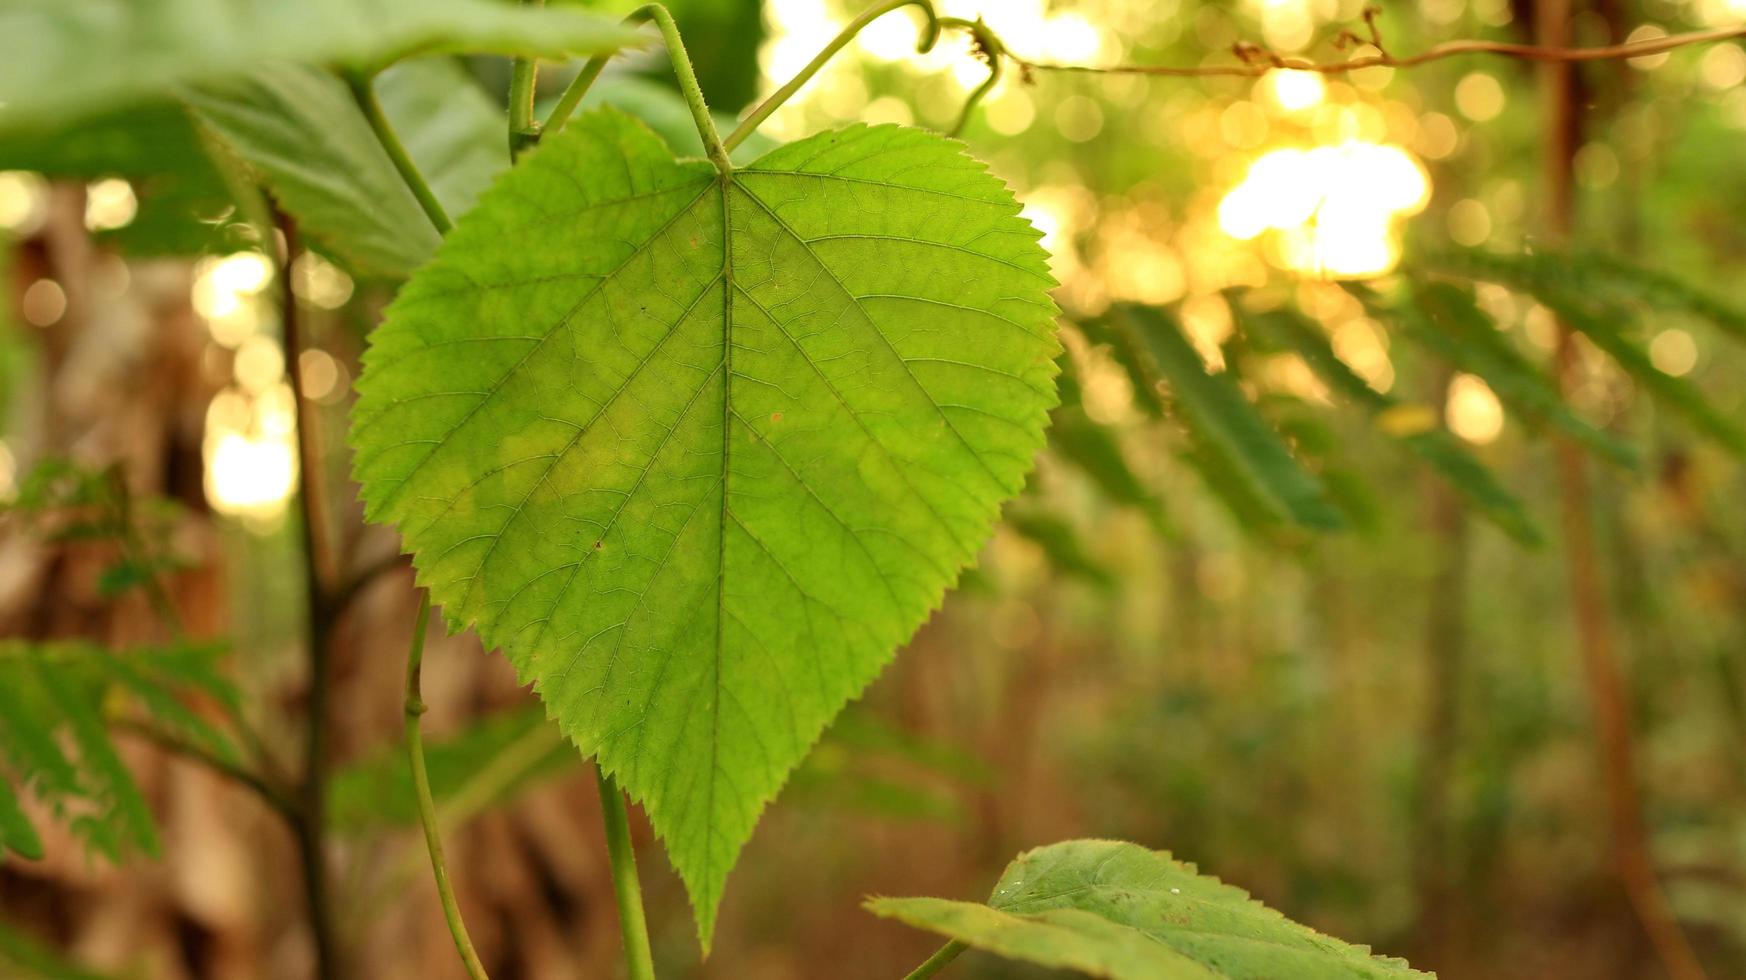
(364, 93)
(523, 80)
(687, 78)
(415, 709)
(937, 962)
(639, 960)
(311, 823)
(755, 118)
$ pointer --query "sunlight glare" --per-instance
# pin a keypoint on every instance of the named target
(1335, 206)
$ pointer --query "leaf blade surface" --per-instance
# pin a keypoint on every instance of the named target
(1117, 910)
(698, 453)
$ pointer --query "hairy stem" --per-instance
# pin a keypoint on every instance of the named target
(755, 118)
(364, 93)
(639, 961)
(427, 815)
(682, 71)
(523, 79)
(937, 962)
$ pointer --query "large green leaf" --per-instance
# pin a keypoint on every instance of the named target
(1117, 910)
(298, 127)
(699, 452)
(63, 58)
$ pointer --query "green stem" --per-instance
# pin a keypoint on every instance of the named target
(937, 962)
(365, 94)
(415, 709)
(930, 34)
(639, 961)
(523, 79)
(574, 92)
(682, 71)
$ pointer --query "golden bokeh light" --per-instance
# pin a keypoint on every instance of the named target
(227, 292)
(44, 303)
(109, 204)
(1473, 411)
(1334, 208)
(1673, 351)
(1293, 91)
(1479, 96)
(251, 455)
(23, 201)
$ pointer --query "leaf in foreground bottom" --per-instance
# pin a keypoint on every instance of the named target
(698, 453)
(1117, 910)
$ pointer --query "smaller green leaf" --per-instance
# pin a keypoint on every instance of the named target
(1430, 443)
(1444, 318)
(56, 700)
(1677, 394)
(16, 833)
(1061, 544)
(297, 127)
(1117, 910)
(1094, 448)
(1593, 275)
(103, 54)
(1218, 412)
(113, 785)
(23, 957)
(1127, 350)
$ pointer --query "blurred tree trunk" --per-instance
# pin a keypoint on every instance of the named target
(1634, 861)
(1440, 926)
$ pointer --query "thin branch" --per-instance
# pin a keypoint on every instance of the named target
(276, 798)
(937, 962)
(415, 709)
(364, 93)
(1259, 61)
(930, 33)
(348, 591)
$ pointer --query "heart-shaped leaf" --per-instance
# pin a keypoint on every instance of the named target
(698, 452)
(1117, 910)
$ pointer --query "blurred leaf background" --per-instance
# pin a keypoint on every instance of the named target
(1381, 729)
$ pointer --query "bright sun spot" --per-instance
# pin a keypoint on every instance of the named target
(1334, 207)
(1295, 91)
(251, 454)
